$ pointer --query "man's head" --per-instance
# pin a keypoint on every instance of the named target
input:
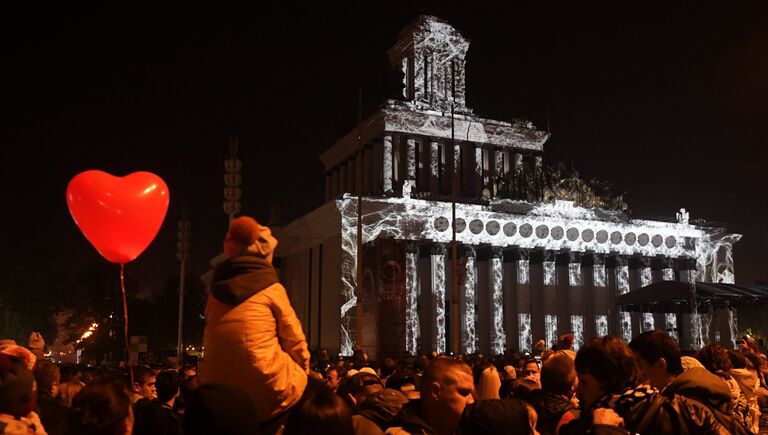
(360, 386)
(531, 370)
(167, 385)
(658, 357)
(558, 375)
(332, 378)
(144, 382)
(446, 389)
(604, 365)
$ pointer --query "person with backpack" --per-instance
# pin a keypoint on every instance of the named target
(660, 363)
(610, 379)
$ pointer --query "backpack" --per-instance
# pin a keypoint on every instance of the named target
(728, 422)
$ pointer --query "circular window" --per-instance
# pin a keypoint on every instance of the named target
(602, 236)
(476, 226)
(441, 223)
(657, 240)
(643, 239)
(526, 230)
(461, 225)
(615, 237)
(670, 241)
(542, 231)
(572, 234)
(492, 227)
(509, 229)
(587, 235)
(630, 239)
(557, 233)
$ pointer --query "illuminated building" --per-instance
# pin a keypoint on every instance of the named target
(541, 252)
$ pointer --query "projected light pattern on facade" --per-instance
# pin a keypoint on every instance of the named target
(598, 275)
(550, 329)
(411, 301)
(414, 219)
(438, 295)
(601, 325)
(524, 326)
(577, 325)
(498, 336)
(470, 338)
(574, 274)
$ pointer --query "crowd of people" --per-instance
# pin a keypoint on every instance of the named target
(258, 377)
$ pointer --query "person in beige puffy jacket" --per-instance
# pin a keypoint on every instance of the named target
(253, 339)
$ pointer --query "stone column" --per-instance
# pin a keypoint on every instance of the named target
(328, 185)
(670, 319)
(410, 159)
(335, 182)
(434, 167)
(411, 298)
(523, 300)
(438, 260)
(387, 163)
(621, 273)
(468, 300)
(498, 335)
(477, 172)
(376, 168)
(456, 166)
(576, 298)
(549, 298)
(517, 168)
(351, 174)
(602, 298)
(645, 276)
(691, 336)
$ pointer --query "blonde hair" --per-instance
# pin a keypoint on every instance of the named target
(489, 383)
(68, 390)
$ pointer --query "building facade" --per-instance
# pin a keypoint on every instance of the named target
(467, 241)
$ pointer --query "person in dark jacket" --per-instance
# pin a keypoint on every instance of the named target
(495, 417)
(446, 389)
(157, 416)
(661, 365)
(378, 410)
(52, 410)
(553, 401)
(609, 377)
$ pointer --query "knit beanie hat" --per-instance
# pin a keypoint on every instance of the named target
(21, 353)
(255, 238)
(17, 387)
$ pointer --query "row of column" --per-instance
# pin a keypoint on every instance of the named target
(506, 304)
(426, 163)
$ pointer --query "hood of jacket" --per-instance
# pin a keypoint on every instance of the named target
(382, 406)
(549, 406)
(239, 278)
(700, 384)
(747, 380)
(410, 420)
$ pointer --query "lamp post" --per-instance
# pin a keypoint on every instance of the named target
(183, 245)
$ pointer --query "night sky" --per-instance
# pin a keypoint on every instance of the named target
(669, 102)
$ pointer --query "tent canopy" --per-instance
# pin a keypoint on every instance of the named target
(676, 296)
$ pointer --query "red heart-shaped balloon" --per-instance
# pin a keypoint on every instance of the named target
(120, 216)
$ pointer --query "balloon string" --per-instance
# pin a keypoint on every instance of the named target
(125, 322)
